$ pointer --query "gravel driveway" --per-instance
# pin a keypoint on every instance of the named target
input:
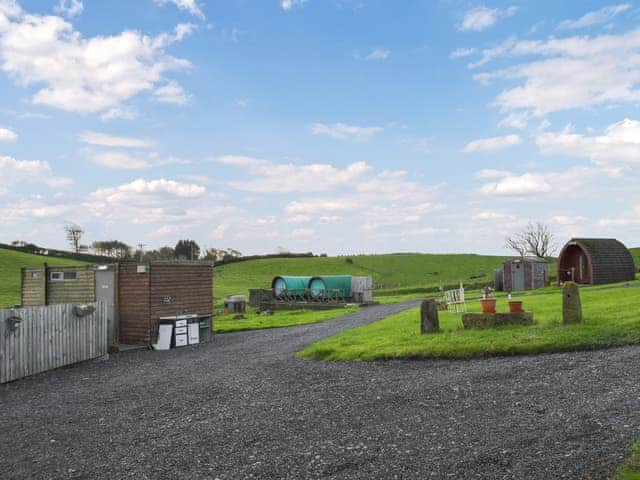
(244, 407)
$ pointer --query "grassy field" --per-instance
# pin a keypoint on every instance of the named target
(254, 321)
(611, 319)
(630, 468)
(10, 264)
(394, 273)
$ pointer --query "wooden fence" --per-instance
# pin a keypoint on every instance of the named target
(37, 339)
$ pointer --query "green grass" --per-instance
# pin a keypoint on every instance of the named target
(630, 468)
(611, 316)
(390, 272)
(10, 264)
(254, 321)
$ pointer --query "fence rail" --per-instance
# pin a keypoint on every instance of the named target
(37, 339)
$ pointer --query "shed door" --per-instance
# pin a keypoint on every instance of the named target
(105, 292)
(517, 276)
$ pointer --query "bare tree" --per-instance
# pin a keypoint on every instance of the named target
(74, 234)
(536, 239)
(517, 244)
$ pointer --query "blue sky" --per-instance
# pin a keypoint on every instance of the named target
(339, 126)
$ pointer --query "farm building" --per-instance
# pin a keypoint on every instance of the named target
(149, 291)
(595, 261)
(53, 285)
(524, 273)
(136, 295)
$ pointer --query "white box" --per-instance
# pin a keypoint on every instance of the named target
(181, 323)
(194, 333)
(181, 330)
(181, 340)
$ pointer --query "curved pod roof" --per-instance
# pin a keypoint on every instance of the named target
(608, 260)
(330, 286)
(290, 285)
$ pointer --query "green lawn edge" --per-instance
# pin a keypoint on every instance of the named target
(606, 325)
(629, 469)
(254, 321)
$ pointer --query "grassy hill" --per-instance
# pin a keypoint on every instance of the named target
(10, 264)
(396, 272)
(390, 272)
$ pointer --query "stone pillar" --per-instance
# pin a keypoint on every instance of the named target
(429, 322)
(571, 306)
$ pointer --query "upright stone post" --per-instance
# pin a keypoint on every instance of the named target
(571, 306)
(429, 322)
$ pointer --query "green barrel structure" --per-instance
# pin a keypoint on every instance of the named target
(330, 287)
(289, 286)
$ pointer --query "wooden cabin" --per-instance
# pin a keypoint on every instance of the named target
(595, 261)
(149, 291)
(524, 273)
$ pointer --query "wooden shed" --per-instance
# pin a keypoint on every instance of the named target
(595, 261)
(149, 291)
(525, 273)
(53, 285)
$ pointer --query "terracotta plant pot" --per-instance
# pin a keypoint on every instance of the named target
(515, 306)
(488, 305)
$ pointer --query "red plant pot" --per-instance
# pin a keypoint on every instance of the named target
(488, 305)
(515, 306)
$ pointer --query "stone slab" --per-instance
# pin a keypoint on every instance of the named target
(488, 320)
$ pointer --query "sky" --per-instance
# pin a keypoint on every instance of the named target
(332, 126)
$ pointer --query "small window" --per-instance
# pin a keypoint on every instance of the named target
(56, 276)
(35, 275)
(62, 276)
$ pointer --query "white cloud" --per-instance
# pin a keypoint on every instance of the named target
(73, 73)
(32, 209)
(152, 188)
(461, 52)
(619, 146)
(172, 92)
(119, 160)
(481, 18)
(267, 177)
(539, 183)
(342, 131)
(8, 136)
(218, 232)
(492, 144)
(491, 216)
(106, 140)
(70, 8)
(596, 17)
(490, 173)
(17, 171)
(378, 54)
(569, 73)
(289, 4)
(188, 5)
(517, 120)
(303, 233)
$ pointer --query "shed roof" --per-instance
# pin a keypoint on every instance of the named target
(611, 260)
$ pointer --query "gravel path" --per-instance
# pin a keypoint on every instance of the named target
(244, 407)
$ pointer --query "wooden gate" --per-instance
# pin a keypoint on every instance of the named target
(37, 339)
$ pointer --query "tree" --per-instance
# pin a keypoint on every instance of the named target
(187, 250)
(112, 248)
(536, 239)
(74, 234)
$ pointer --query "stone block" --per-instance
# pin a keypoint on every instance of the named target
(487, 320)
(571, 306)
(429, 321)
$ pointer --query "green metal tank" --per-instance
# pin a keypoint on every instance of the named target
(290, 286)
(330, 287)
